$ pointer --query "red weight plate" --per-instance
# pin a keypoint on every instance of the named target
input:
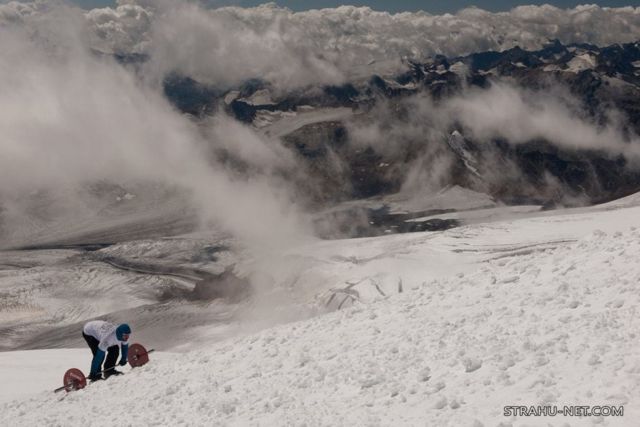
(74, 379)
(138, 355)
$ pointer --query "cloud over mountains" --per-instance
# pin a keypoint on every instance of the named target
(227, 45)
(326, 46)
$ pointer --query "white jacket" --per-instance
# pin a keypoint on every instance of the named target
(105, 332)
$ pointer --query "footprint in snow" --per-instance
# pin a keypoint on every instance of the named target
(471, 365)
(440, 403)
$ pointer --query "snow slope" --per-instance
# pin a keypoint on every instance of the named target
(25, 373)
(276, 125)
(439, 329)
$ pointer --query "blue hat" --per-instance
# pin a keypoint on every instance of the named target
(122, 330)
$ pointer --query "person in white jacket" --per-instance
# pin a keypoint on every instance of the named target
(106, 338)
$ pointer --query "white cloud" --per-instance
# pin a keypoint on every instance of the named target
(245, 145)
(15, 11)
(225, 46)
(228, 45)
(122, 29)
(69, 117)
(503, 111)
(520, 115)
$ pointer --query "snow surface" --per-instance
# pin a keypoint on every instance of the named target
(457, 143)
(453, 197)
(278, 125)
(483, 215)
(25, 373)
(260, 97)
(114, 217)
(434, 329)
(582, 62)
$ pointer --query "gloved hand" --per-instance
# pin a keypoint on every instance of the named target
(122, 362)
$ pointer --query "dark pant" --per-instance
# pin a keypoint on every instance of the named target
(112, 353)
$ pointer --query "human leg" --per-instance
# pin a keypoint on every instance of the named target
(112, 357)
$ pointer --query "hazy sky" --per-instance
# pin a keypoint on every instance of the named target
(431, 6)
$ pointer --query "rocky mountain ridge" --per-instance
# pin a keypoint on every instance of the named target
(539, 170)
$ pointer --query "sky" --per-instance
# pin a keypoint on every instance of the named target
(431, 6)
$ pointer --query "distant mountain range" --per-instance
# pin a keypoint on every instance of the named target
(545, 172)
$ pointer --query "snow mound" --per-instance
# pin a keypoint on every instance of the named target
(582, 62)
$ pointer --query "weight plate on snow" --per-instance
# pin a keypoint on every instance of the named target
(138, 355)
(74, 380)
